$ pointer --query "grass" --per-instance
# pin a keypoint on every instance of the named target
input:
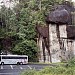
(37, 63)
(61, 69)
(51, 71)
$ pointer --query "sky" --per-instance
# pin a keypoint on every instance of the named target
(6, 3)
(73, 0)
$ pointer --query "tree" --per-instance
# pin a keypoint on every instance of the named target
(20, 24)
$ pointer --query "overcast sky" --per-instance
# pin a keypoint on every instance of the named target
(6, 3)
(73, 0)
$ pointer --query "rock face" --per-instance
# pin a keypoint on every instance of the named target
(43, 43)
(54, 43)
(70, 32)
(57, 53)
(59, 34)
(66, 51)
(61, 14)
(60, 45)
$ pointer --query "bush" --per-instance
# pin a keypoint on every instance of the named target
(27, 48)
(55, 70)
(69, 71)
(47, 71)
(71, 62)
(29, 72)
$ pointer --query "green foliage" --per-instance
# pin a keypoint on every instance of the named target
(71, 63)
(59, 70)
(68, 69)
(28, 48)
(20, 22)
(30, 72)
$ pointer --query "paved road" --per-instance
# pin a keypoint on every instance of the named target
(17, 69)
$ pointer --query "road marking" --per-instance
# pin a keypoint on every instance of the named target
(1, 67)
(21, 68)
(29, 67)
(11, 66)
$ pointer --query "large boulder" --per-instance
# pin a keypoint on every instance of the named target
(58, 16)
(61, 14)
